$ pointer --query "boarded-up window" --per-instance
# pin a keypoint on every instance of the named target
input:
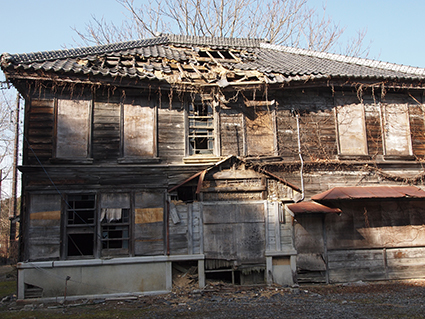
(73, 128)
(397, 138)
(351, 130)
(259, 131)
(139, 131)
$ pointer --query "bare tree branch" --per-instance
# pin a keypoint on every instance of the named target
(285, 22)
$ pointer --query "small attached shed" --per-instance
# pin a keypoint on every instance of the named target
(246, 236)
(376, 235)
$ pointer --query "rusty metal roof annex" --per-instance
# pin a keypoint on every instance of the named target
(370, 192)
(311, 208)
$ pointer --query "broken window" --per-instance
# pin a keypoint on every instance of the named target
(201, 128)
(139, 139)
(115, 223)
(80, 225)
(397, 139)
(115, 230)
(73, 128)
(351, 130)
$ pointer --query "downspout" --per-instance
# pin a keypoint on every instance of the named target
(301, 159)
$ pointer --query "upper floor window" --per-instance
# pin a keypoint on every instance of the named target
(351, 130)
(139, 127)
(73, 128)
(396, 130)
(201, 128)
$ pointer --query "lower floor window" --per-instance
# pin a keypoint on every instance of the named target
(115, 230)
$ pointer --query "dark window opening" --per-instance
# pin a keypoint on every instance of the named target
(186, 193)
(115, 230)
(201, 129)
(80, 244)
(80, 231)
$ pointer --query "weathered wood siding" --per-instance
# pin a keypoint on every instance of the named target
(171, 133)
(39, 129)
(149, 221)
(186, 229)
(106, 131)
(232, 133)
(234, 231)
(43, 227)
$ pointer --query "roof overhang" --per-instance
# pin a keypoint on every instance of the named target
(312, 208)
(370, 192)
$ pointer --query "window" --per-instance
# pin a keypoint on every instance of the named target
(73, 119)
(397, 139)
(80, 225)
(114, 223)
(351, 130)
(201, 129)
(139, 126)
(115, 230)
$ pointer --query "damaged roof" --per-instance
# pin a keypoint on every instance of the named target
(203, 61)
(312, 208)
(370, 192)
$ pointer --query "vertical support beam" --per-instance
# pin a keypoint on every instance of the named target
(190, 229)
(325, 247)
(21, 284)
(269, 270)
(277, 209)
(169, 275)
(293, 262)
(201, 273)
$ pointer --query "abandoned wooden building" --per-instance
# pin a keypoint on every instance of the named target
(254, 163)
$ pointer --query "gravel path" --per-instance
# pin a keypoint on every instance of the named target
(401, 299)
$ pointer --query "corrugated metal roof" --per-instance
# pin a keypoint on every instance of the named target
(312, 207)
(370, 192)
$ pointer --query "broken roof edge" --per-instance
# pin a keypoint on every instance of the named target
(204, 171)
(128, 45)
(346, 59)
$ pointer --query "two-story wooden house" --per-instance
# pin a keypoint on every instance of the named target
(253, 162)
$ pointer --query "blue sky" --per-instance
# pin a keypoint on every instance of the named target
(394, 27)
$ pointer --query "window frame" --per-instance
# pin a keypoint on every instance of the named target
(129, 158)
(385, 133)
(342, 151)
(87, 158)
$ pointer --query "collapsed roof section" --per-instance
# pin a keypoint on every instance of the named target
(202, 61)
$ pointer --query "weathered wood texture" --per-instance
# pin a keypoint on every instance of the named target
(40, 125)
(43, 227)
(234, 231)
(171, 134)
(232, 133)
(106, 131)
(186, 231)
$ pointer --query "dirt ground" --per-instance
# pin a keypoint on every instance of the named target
(395, 299)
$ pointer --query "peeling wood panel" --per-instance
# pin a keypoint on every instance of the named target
(40, 124)
(417, 128)
(235, 232)
(351, 129)
(148, 223)
(260, 132)
(397, 139)
(318, 135)
(373, 130)
(171, 135)
(139, 130)
(73, 128)
(106, 131)
(43, 230)
(356, 265)
(232, 133)
(406, 263)
(287, 134)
